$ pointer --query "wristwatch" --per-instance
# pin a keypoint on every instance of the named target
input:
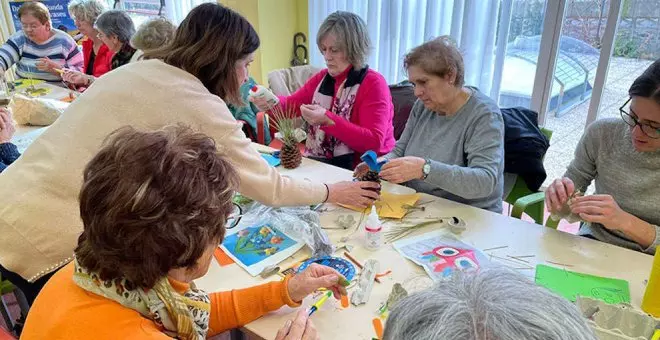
(426, 169)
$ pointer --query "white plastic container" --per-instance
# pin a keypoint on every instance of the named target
(259, 91)
(373, 231)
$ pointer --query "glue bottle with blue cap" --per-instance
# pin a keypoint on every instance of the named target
(373, 230)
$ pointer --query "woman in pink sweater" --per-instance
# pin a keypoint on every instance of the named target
(347, 107)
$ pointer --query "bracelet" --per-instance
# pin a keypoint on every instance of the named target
(327, 193)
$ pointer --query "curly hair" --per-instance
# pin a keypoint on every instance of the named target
(151, 202)
(153, 33)
(86, 10)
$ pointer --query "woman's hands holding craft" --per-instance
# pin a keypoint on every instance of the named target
(602, 209)
(315, 114)
(403, 169)
(301, 328)
(75, 77)
(7, 127)
(314, 277)
(558, 193)
(357, 194)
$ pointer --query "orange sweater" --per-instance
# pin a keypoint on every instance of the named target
(65, 311)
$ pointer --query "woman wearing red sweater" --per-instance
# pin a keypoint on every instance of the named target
(347, 107)
(96, 54)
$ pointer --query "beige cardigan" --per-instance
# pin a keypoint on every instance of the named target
(39, 216)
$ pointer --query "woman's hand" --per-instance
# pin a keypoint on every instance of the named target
(360, 170)
(261, 103)
(357, 194)
(558, 193)
(314, 277)
(75, 77)
(47, 65)
(403, 169)
(301, 328)
(602, 209)
(315, 114)
(7, 127)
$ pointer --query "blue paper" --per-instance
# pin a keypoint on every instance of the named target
(272, 161)
(371, 159)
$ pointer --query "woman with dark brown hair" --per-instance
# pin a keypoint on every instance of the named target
(151, 223)
(189, 81)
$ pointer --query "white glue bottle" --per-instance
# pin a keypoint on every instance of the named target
(373, 231)
(258, 91)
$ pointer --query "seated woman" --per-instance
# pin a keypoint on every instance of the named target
(622, 157)
(453, 143)
(115, 30)
(8, 151)
(493, 304)
(152, 34)
(151, 224)
(96, 54)
(347, 106)
(188, 81)
(247, 112)
(39, 50)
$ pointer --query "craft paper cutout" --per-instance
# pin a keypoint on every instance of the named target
(222, 257)
(371, 159)
(390, 205)
(257, 247)
(272, 160)
(570, 284)
(441, 255)
(25, 83)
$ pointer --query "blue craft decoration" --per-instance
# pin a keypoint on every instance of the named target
(342, 266)
(371, 159)
(272, 160)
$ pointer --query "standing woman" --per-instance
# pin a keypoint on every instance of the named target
(96, 54)
(115, 29)
(348, 106)
(39, 50)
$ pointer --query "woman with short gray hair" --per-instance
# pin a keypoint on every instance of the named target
(347, 107)
(97, 56)
(115, 29)
(493, 304)
(152, 34)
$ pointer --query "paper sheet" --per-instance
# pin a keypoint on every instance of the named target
(570, 284)
(391, 205)
(440, 254)
(259, 246)
(272, 160)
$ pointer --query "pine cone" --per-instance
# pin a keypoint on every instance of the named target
(290, 156)
(370, 176)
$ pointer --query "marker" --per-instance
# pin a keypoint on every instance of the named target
(59, 70)
(319, 303)
(656, 335)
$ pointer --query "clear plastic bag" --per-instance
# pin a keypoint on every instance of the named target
(300, 223)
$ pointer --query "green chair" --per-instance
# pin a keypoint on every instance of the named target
(6, 288)
(518, 197)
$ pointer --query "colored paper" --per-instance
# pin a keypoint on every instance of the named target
(570, 284)
(272, 160)
(391, 205)
(222, 257)
(651, 301)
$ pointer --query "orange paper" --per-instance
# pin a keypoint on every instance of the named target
(222, 258)
(344, 301)
(378, 327)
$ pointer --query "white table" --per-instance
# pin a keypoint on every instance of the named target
(484, 230)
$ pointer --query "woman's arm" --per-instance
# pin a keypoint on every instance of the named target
(484, 150)
(582, 169)
(408, 131)
(74, 58)
(303, 95)
(374, 113)
(10, 51)
(8, 153)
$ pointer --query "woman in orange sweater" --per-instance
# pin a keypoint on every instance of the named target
(151, 223)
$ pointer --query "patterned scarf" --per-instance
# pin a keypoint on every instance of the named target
(178, 316)
(123, 56)
(318, 144)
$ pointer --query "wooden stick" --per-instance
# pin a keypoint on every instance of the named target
(495, 248)
(560, 264)
(356, 263)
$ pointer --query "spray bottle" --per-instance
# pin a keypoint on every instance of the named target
(373, 230)
(258, 91)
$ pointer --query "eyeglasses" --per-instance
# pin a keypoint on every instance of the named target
(31, 26)
(632, 120)
(235, 217)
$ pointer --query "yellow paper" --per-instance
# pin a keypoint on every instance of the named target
(391, 205)
(651, 301)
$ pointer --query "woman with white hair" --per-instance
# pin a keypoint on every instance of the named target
(115, 30)
(152, 34)
(347, 106)
(97, 56)
(493, 304)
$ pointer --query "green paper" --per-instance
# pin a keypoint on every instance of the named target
(571, 284)
(344, 282)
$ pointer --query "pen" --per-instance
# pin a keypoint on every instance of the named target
(656, 335)
(319, 303)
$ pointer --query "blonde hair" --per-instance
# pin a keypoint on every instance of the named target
(351, 32)
(152, 34)
(86, 10)
(439, 57)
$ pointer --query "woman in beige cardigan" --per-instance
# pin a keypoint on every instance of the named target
(186, 82)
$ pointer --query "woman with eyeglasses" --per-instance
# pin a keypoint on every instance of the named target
(39, 50)
(622, 157)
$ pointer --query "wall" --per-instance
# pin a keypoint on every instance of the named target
(276, 22)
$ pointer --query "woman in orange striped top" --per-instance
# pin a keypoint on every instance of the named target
(154, 207)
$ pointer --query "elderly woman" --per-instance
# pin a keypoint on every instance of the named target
(152, 34)
(452, 145)
(39, 50)
(622, 157)
(115, 29)
(97, 55)
(8, 151)
(348, 106)
(493, 304)
(188, 81)
(151, 224)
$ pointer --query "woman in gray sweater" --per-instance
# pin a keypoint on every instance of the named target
(453, 143)
(622, 156)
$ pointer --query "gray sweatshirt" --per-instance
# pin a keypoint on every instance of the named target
(606, 154)
(466, 151)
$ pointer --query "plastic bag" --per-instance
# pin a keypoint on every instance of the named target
(300, 223)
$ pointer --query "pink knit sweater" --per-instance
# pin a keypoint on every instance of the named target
(370, 127)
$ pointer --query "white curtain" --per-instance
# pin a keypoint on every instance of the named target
(177, 10)
(396, 26)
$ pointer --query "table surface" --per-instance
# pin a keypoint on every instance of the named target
(484, 230)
